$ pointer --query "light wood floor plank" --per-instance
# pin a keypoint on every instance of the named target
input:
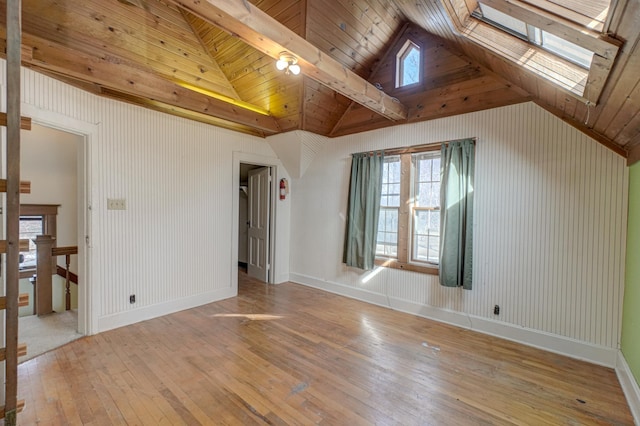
(289, 354)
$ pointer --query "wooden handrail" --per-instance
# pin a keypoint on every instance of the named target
(64, 251)
(63, 273)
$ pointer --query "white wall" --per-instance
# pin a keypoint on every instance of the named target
(172, 245)
(549, 232)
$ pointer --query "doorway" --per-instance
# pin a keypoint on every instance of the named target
(255, 219)
(52, 160)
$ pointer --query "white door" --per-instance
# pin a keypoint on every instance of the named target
(258, 217)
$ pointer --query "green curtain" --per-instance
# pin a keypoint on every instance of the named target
(363, 210)
(456, 210)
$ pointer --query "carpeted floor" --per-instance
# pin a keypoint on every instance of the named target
(41, 334)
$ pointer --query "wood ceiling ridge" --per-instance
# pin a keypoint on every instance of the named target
(190, 22)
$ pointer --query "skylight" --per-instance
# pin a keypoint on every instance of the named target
(535, 35)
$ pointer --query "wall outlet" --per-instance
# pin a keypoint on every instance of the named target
(116, 204)
(132, 298)
(496, 310)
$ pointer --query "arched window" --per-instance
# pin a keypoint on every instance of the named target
(408, 65)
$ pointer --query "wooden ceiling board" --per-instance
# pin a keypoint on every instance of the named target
(323, 108)
(95, 25)
(288, 13)
(354, 43)
(429, 15)
(365, 21)
(174, 36)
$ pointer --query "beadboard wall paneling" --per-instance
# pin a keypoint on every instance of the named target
(549, 225)
(172, 243)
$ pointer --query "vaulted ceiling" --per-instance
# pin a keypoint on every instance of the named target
(213, 61)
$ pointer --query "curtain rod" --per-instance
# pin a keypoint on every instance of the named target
(415, 148)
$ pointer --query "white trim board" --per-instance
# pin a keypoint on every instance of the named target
(550, 342)
(122, 319)
(629, 386)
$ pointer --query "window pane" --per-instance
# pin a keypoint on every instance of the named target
(30, 227)
(435, 168)
(394, 169)
(434, 223)
(426, 208)
(504, 20)
(434, 249)
(567, 50)
(387, 239)
(424, 168)
(411, 67)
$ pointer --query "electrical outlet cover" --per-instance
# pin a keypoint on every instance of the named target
(116, 204)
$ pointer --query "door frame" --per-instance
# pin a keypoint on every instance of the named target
(273, 164)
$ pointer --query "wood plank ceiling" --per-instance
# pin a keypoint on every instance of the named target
(168, 55)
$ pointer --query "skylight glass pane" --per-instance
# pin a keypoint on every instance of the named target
(504, 20)
(411, 67)
(566, 49)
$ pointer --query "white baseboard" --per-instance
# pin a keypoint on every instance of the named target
(600, 355)
(629, 386)
(121, 319)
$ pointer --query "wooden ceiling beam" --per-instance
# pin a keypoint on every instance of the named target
(133, 79)
(253, 26)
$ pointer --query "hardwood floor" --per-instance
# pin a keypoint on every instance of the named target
(289, 354)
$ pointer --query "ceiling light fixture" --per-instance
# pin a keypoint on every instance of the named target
(288, 63)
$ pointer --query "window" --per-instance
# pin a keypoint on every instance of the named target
(408, 69)
(30, 227)
(409, 222)
(535, 35)
(35, 219)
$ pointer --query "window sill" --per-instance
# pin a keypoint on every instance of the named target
(395, 264)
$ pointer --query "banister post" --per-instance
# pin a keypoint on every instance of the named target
(44, 263)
